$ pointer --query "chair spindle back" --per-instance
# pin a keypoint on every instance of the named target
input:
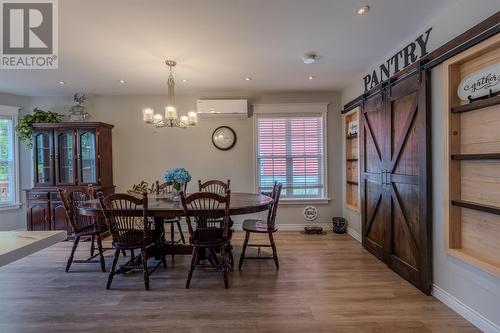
(271, 216)
(74, 199)
(214, 186)
(207, 215)
(167, 187)
(126, 216)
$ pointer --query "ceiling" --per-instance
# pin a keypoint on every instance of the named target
(217, 43)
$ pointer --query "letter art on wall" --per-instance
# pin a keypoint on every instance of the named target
(402, 59)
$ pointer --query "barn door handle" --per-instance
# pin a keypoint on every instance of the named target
(387, 177)
(382, 175)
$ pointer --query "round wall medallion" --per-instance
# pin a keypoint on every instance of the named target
(310, 213)
(224, 138)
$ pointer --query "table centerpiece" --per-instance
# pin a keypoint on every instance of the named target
(179, 177)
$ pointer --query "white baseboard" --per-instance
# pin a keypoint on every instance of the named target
(297, 227)
(354, 234)
(465, 311)
(293, 227)
(283, 227)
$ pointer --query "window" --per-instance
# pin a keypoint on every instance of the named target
(9, 189)
(290, 150)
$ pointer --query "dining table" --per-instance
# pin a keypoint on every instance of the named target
(162, 206)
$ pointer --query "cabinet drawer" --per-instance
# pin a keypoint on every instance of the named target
(38, 195)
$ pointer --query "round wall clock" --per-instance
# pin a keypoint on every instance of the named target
(224, 138)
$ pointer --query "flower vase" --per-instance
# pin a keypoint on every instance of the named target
(178, 177)
(175, 196)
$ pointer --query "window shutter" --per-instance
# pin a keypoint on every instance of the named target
(290, 150)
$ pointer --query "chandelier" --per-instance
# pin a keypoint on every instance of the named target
(170, 119)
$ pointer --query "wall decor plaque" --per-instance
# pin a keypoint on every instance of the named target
(310, 213)
(480, 83)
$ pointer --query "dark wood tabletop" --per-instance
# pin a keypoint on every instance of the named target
(162, 206)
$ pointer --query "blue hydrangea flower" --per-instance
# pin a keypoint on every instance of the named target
(178, 176)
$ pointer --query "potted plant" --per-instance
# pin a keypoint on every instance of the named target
(24, 128)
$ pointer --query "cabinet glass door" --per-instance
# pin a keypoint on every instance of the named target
(65, 172)
(87, 156)
(43, 159)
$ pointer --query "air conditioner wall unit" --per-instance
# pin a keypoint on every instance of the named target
(223, 107)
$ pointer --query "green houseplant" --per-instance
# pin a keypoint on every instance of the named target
(24, 128)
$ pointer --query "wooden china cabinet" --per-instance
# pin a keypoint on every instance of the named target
(67, 155)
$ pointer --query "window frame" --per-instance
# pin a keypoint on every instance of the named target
(293, 110)
(12, 112)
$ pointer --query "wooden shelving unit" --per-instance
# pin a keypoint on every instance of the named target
(470, 157)
(480, 207)
(351, 163)
(472, 136)
(481, 104)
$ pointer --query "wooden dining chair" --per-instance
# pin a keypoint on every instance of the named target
(263, 227)
(219, 187)
(167, 188)
(207, 216)
(214, 186)
(130, 228)
(83, 226)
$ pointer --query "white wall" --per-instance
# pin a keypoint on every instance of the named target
(473, 292)
(143, 152)
(15, 218)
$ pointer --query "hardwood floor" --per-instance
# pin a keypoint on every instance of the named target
(326, 283)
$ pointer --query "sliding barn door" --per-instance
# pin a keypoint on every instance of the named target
(395, 179)
(408, 180)
(372, 151)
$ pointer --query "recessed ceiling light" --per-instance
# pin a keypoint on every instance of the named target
(121, 81)
(62, 82)
(184, 80)
(310, 77)
(248, 79)
(362, 10)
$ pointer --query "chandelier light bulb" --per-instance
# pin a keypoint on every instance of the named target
(193, 117)
(170, 112)
(147, 115)
(157, 118)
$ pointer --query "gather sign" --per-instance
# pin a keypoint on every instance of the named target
(481, 83)
(402, 59)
